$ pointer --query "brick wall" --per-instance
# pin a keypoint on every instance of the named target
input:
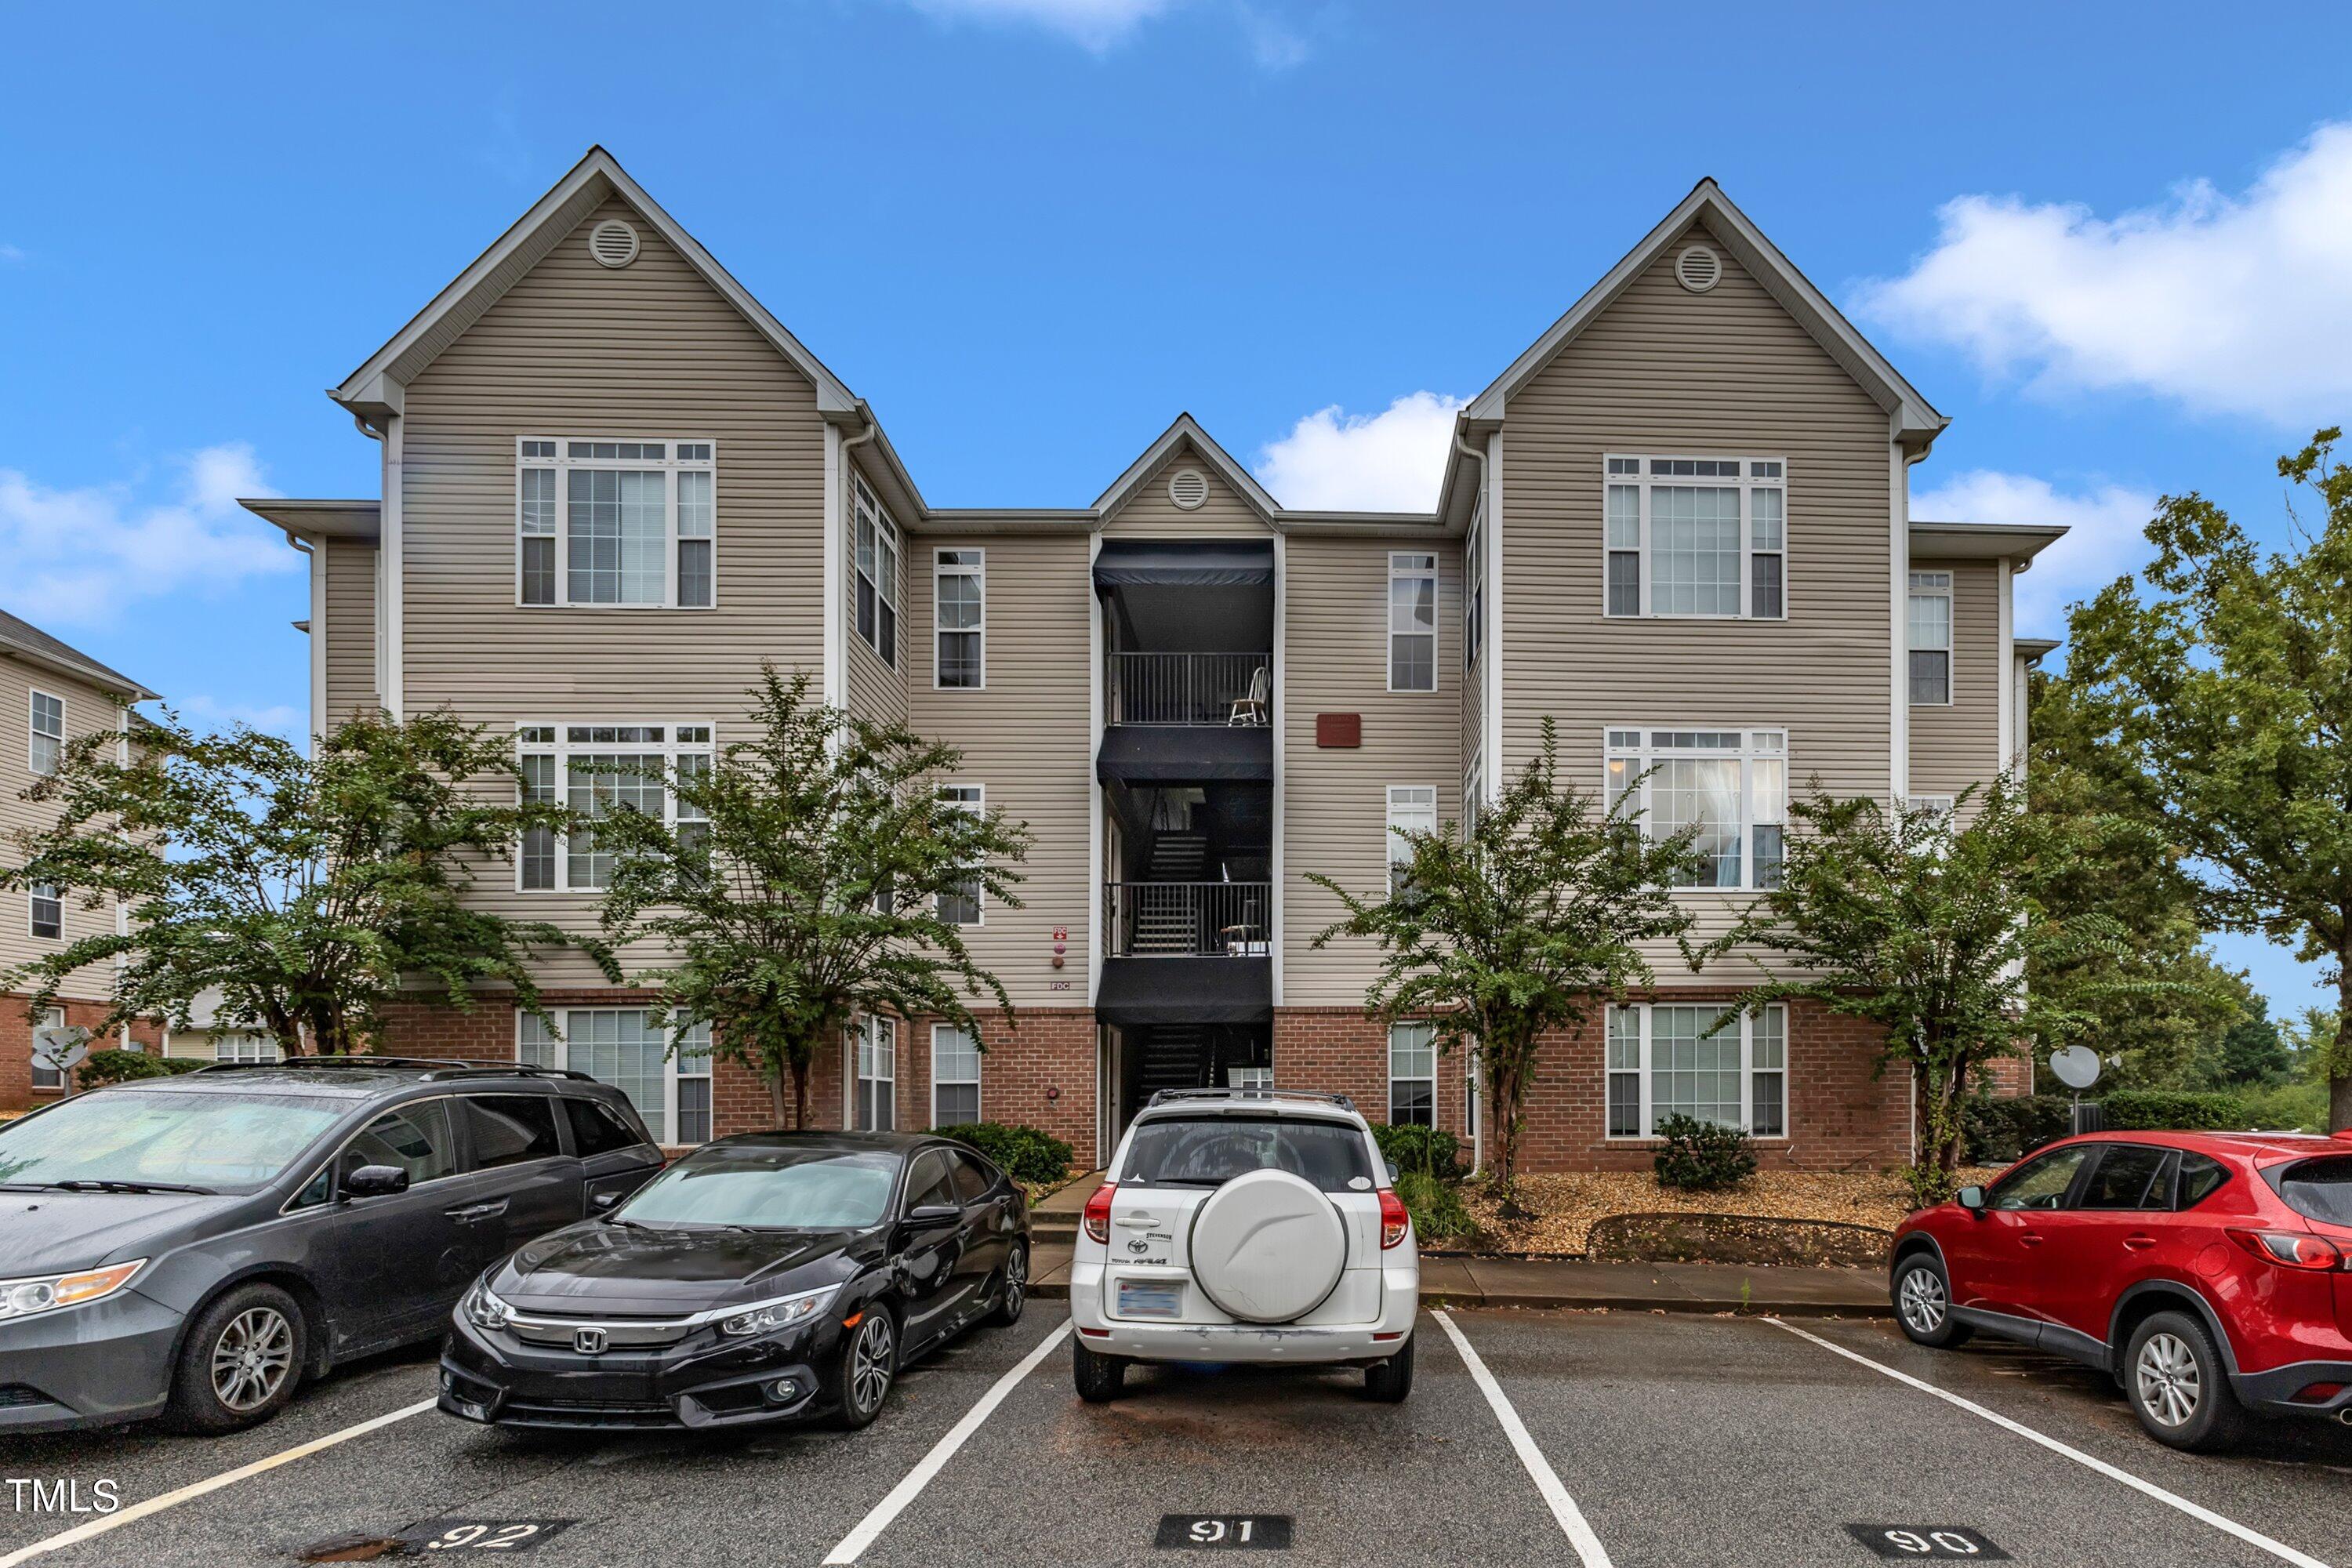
(16, 1090)
(1053, 1049)
(2010, 1076)
(1337, 1051)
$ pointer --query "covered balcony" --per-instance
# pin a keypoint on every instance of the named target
(1187, 675)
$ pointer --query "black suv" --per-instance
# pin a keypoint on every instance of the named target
(193, 1247)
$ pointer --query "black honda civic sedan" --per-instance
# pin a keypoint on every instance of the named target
(766, 1277)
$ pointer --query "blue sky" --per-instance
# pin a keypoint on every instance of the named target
(2114, 244)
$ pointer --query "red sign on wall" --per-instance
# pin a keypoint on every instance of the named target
(1341, 731)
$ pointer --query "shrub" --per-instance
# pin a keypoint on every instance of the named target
(1997, 1131)
(2150, 1109)
(1025, 1153)
(2297, 1107)
(1412, 1147)
(1436, 1206)
(101, 1068)
(1703, 1156)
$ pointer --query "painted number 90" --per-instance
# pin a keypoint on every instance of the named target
(1933, 1541)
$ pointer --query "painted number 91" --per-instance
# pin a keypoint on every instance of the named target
(1209, 1531)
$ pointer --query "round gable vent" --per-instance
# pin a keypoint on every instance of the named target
(1188, 487)
(612, 243)
(1698, 268)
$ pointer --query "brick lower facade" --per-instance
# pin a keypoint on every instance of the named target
(17, 1091)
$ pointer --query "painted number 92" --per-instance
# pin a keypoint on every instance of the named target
(482, 1537)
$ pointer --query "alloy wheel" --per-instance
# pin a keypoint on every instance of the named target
(1016, 1280)
(1921, 1301)
(2169, 1382)
(252, 1359)
(869, 1363)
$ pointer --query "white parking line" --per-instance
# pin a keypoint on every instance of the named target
(1563, 1506)
(911, 1487)
(2194, 1511)
(155, 1505)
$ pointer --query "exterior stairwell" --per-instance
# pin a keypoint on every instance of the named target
(1175, 1056)
(1165, 922)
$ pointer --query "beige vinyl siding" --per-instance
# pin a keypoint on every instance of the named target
(1335, 803)
(1727, 373)
(1954, 747)
(1149, 512)
(87, 708)
(575, 348)
(877, 691)
(349, 631)
(1024, 737)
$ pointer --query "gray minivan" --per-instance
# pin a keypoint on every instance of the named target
(193, 1247)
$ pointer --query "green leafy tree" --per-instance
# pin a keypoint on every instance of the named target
(1926, 925)
(304, 889)
(2223, 690)
(1519, 928)
(802, 885)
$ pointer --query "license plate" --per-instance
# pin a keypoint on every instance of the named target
(1150, 1299)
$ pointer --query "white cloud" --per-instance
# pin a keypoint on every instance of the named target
(11, 253)
(77, 556)
(278, 718)
(1336, 461)
(1094, 25)
(2239, 305)
(2102, 540)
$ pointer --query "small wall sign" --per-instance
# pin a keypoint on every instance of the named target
(1342, 730)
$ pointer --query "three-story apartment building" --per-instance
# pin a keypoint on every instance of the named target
(1676, 526)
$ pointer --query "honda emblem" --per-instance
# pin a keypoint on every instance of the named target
(588, 1341)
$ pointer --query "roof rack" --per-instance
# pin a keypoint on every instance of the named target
(1172, 1096)
(519, 1069)
(432, 1067)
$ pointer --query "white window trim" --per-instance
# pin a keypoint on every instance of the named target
(669, 466)
(1926, 585)
(863, 503)
(59, 1078)
(978, 807)
(1474, 792)
(979, 1097)
(35, 898)
(869, 1028)
(1393, 1079)
(1747, 482)
(562, 749)
(670, 1075)
(1473, 583)
(1748, 1070)
(1414, 572)
(1389, 840)
(1755, 745)
(243, 1046)
(977, 573)
(34, 734)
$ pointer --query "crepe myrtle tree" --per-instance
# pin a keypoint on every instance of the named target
(303, 890)
(1926, 923)
(2224, 692)
(1520, 926)
(800, 884)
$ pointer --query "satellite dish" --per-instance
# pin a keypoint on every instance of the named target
(60, 1047)
(2077, 1067)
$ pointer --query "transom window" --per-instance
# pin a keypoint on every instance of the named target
(1412, 808)
(1412, 1074)
(596, 769)
(615, 523)
(48, 749)
(955, 1076)
(877, 542)
(1412, 622)
(1696, 537)
(1931, 638)
(623, 1047)
(1662, 1062)
(959, 618)
(1732, 785)
(961, 905)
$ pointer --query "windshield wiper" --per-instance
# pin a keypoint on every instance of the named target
(110, 1185)
(625, 1223)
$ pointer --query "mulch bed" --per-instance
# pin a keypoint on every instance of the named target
(1762, 1239)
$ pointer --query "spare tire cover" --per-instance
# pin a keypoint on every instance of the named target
(1267, 1247)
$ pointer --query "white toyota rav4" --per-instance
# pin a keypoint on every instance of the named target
(1256, 1225)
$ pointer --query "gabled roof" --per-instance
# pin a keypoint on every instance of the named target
(1916, 420)
(375, 385)
(1187, 428)
(29, 642)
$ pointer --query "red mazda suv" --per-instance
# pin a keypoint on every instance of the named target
(2209, 1273)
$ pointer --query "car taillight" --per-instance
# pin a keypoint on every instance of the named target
(1098, 1215)
(1394, 1220)
(2290, 1249)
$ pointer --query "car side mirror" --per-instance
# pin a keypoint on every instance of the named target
(374, 1181)
(1970, 1198)
(600, 1202)
(1393, 1172)
(933, 1216)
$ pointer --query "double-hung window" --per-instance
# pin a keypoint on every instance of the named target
(1412, 808)
(960, 905)
(1474, 583)
(1931, 638)
(1412, 1074)
(1730, 785)
(955, 1076)
(1662, 1062)
(1412, 622)
(631, 523)
(47, 748)
(959, 618)
(49, 1077)
(244, 1049)
(667, 1077)
(877, 544)
(876, 1043)
(48, 910)
(597, 769)
(1704, 537)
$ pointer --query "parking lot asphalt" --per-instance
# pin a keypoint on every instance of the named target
(1679, 1440)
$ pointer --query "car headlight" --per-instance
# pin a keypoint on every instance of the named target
(767, 1317)
(483, 1309)
(22, 1298)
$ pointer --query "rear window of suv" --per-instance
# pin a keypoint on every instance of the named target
(1210, 1151)
(2319, 1189)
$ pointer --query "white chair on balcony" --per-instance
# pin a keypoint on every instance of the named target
(1250, 709)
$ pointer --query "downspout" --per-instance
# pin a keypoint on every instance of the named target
(834, 589)
(1472, 1088)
